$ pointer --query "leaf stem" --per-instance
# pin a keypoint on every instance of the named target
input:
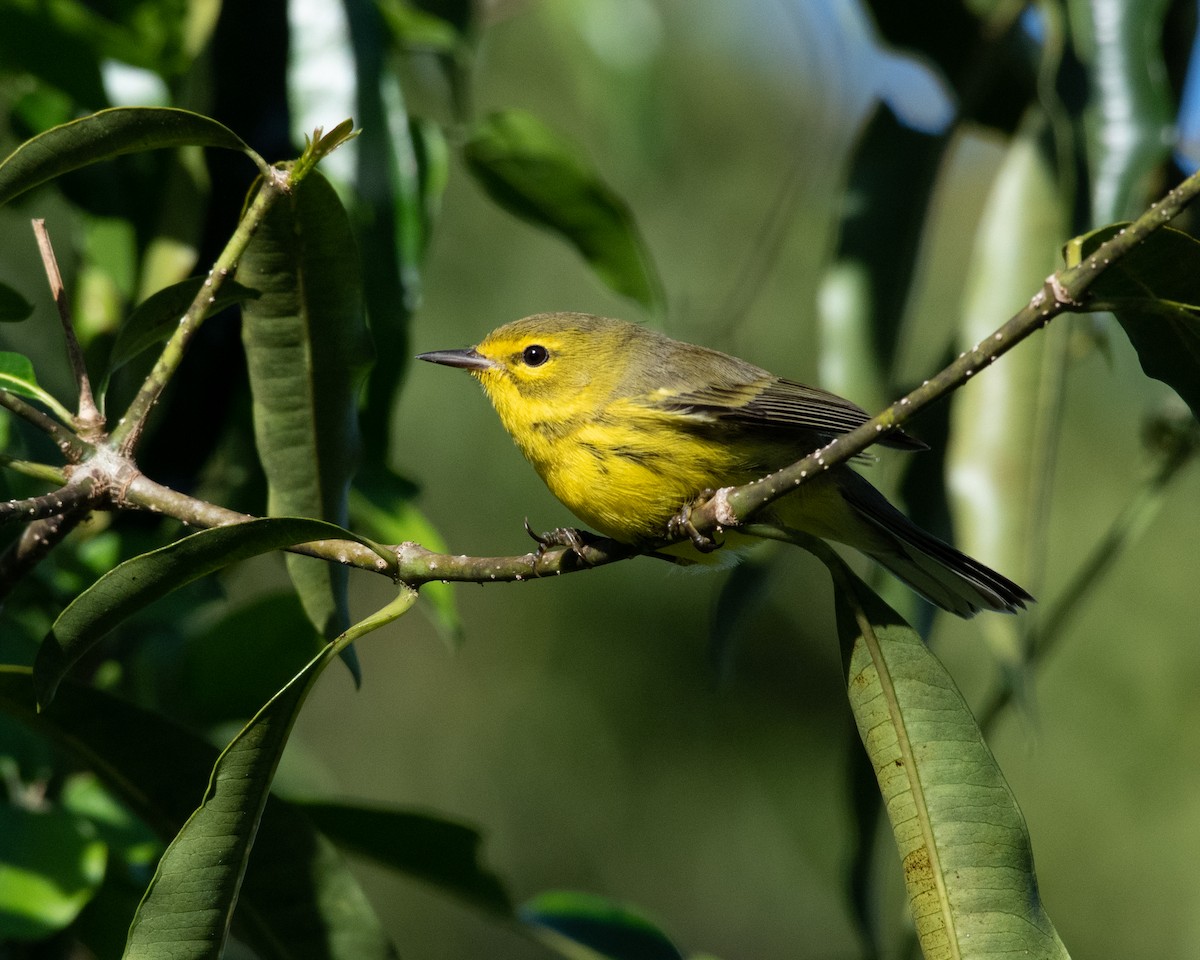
(39, 471)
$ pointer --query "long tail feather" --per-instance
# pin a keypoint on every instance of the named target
(943, 575)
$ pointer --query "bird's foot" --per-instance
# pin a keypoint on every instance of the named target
(572, 538)
(681, 525)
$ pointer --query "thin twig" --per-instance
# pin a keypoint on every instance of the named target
(72, 447)
(64, 500)
(1064, 291)
(89, 419)
(129, 428)
(35, 542)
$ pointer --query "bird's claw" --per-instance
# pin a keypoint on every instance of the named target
(573, 539)
(681, 525)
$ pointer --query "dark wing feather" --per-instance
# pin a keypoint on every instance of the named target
(782, 407)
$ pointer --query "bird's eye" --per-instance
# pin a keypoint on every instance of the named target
(535, 355)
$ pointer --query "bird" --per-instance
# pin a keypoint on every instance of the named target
(627, 427)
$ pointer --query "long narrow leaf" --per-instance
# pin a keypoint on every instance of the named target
(299, 900)
(156, 317)
(1130, 101)
(307, 349)
(143, 579)
(108, 134)
(189, 905)
(968, 864)
(1004, 428)
(536, 175)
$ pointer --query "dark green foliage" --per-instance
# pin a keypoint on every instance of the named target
(125, 831)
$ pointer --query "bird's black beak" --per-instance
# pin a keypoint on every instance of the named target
(466, 359)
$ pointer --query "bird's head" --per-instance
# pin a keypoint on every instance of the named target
(546, 369)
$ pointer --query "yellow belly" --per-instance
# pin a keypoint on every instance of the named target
(625, 483)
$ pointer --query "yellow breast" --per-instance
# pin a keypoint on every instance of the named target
(627, 470)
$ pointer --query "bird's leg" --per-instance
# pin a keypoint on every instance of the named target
(574, 539)
(681, 525)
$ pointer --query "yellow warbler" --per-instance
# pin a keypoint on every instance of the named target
(626, 426)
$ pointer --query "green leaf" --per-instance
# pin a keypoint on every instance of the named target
(436, 851)
(1004, 431)
(145, 578)
(1154, 292)
(968, 866)
(413, 28)
(156, 317)
(1130, 102)
(307, 349)
(270, 639)
(602, 928)
(189, 903)
(50, 867)
(108, 134)
(35, 40)
(534, 174)
(13, 307)
(299, 900)
(191, 899)
(17, 376)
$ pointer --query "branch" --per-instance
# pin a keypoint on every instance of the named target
(129, 428)
(73, 448)
(88, 418)
(1064, 291)
(72, 498)
(414, 564)
(36, 540)
(274, 183)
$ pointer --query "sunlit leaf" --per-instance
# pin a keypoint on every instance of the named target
(307, 350)
(50, 866)
(1130, 101)
(1004, 428)
(108, 134)
(141, 580)
(535, 174)
(17, 376)
(581, 925)
(1154, 292)
(968, 865)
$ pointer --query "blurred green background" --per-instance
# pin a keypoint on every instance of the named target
(584, 724)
